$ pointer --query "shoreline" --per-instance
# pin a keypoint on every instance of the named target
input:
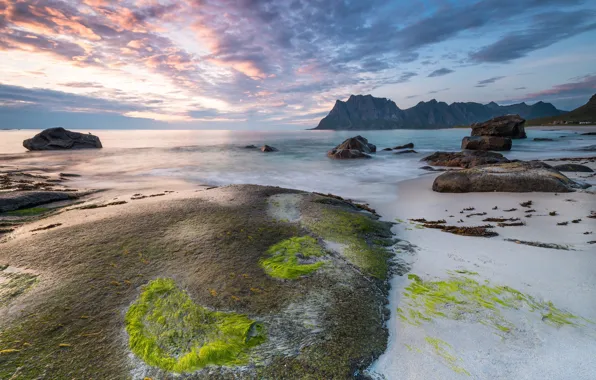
(564, 277)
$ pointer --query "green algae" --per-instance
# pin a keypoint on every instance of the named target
(463, 297)
(355, 230)
(27, 211)
(444, 351)
(283, 260)
(168, 330)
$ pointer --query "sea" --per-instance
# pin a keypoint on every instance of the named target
(217, 158)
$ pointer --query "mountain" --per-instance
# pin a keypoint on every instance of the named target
(362, 112)
(585, 113)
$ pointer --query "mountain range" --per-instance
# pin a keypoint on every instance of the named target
(583, 114)
(365, 112)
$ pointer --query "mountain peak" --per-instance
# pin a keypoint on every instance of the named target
(366, 112)
(592, 99)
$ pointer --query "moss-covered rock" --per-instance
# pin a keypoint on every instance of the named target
(187, 286)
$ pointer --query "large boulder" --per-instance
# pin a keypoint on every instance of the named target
(511, 126)
(465, 159)
(60, 138)
(486, 143)
(518, 177)
(354, 147)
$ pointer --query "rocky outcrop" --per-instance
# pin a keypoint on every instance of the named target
(60, 138)
(354, 147)
(486, 143)
(509, 177)
(573, 168)
(511, 126)
(365, 112)
(15, 200)
(406, 151)
(465, 159)
(267, 148)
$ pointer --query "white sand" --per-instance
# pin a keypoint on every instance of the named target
(534, 350)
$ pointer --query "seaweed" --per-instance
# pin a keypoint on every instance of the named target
(284, 259)
(167, 329)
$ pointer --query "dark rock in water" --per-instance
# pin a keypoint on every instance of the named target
(465, 159)
(486, 143)
(406, 151)
(354, 147)
(511, 126)
(387, 149)
(542, 139)
(60, 138)
(250, 147)
(342, 154)
(15, 200)
(431, 169)
(573, 168)
(589, 134)
(508, 177)
(267, 148)
(407, 146)
(590, 148)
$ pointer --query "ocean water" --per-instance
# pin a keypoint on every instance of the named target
(219, 158)
(134, 159)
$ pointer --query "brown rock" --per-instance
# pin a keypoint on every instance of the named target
(511, 126)
(267, 148)
(407, 146)
(486, 143)
(465, 159)
(354, 147)
(508, 177)
(343, 154)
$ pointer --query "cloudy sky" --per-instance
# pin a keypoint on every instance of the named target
(264, 64)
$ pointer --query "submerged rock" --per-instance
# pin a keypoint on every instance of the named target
(406, 151)
(486, 143)
(354, 147)
(267, 148)
(509, 177)
(407, 146)
(465, 159)
(203, 289)
(60, 138)
(511, 126)
(573, 168)
(542, 139)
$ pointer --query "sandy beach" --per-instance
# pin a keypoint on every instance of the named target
(566, 277)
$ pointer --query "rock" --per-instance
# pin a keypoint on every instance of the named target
(573, 168)
(589, 134)
(60, 138)
(225, 271)
(542, 139)
(407, 146)
(354, 147)
(250, 147)
(508, 177)
(342, 154)
(486, 143)
(387, 149)
(511, 126)
(406, 151)
(267, 148)
(465, 159)
(15, 200)
(589, 148)
(431, 169)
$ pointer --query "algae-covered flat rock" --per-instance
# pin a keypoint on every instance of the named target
(232, 283)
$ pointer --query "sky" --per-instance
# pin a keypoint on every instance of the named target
(281, 64)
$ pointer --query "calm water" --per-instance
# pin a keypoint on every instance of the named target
(218, 158)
